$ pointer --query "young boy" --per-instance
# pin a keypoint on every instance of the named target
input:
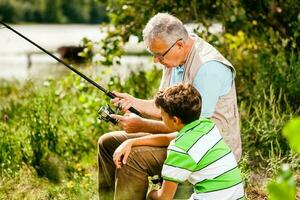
(196, 153)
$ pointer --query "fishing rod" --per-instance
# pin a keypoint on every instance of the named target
(106, 110)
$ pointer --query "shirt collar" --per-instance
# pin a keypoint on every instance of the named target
(180, 68)
(188, 127)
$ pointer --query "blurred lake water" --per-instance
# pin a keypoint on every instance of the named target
(21, 60)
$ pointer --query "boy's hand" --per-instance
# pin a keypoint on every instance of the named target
(121, 153)
(152, 195)
(166, 192)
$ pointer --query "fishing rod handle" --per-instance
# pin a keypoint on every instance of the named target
(131, 109)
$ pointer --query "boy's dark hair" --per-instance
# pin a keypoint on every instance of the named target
(181, 100)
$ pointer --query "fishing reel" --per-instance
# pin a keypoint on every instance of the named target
(105, 111)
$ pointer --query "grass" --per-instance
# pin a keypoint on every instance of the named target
(28, 185)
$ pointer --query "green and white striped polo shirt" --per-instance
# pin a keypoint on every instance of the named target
(199, 154)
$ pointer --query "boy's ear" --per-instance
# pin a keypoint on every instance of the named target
(176, 120)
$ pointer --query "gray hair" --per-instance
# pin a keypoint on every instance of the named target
(165, 27)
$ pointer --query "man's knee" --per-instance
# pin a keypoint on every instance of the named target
(110, 141)
(104, 140)
(146, 160)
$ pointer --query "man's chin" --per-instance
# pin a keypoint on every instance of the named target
(168, 66)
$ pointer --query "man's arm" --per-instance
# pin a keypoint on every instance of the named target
(154, 126)
(133, 123)
(149, 109)
(166, 192)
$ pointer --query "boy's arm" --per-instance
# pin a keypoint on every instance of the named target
(122, 152)
(166, 192)
(157, 140)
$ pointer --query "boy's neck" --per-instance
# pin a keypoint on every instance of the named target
(180, 126)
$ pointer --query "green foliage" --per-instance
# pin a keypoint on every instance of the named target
(8, 7)
(262, 121)
(10, 155)
(87, 51)
(53, 11)
(53, 130)
(256, 19)
(291, 132)
(284, 186)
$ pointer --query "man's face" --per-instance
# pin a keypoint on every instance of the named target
(167, 55)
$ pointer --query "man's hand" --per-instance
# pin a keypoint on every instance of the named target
(125, 101)
(121, 153)
(130, 122)
(145, 107)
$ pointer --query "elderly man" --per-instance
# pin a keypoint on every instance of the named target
(185, 58)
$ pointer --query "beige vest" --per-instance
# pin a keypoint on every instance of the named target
(226, 114)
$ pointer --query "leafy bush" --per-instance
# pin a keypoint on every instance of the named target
(52, 11)
(262, 123)
(284, 185)
(57, 123)
(291, 132)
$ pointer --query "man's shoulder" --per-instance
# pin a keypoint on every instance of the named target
(214, 67)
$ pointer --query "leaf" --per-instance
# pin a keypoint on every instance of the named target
(292, 133)
(284, 186)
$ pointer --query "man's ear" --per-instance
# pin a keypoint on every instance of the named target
(180, 43)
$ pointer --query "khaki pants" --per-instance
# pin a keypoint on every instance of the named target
(131, 181)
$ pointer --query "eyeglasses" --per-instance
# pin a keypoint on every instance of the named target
(161, 57)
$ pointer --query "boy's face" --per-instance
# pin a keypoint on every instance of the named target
(173, 123)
